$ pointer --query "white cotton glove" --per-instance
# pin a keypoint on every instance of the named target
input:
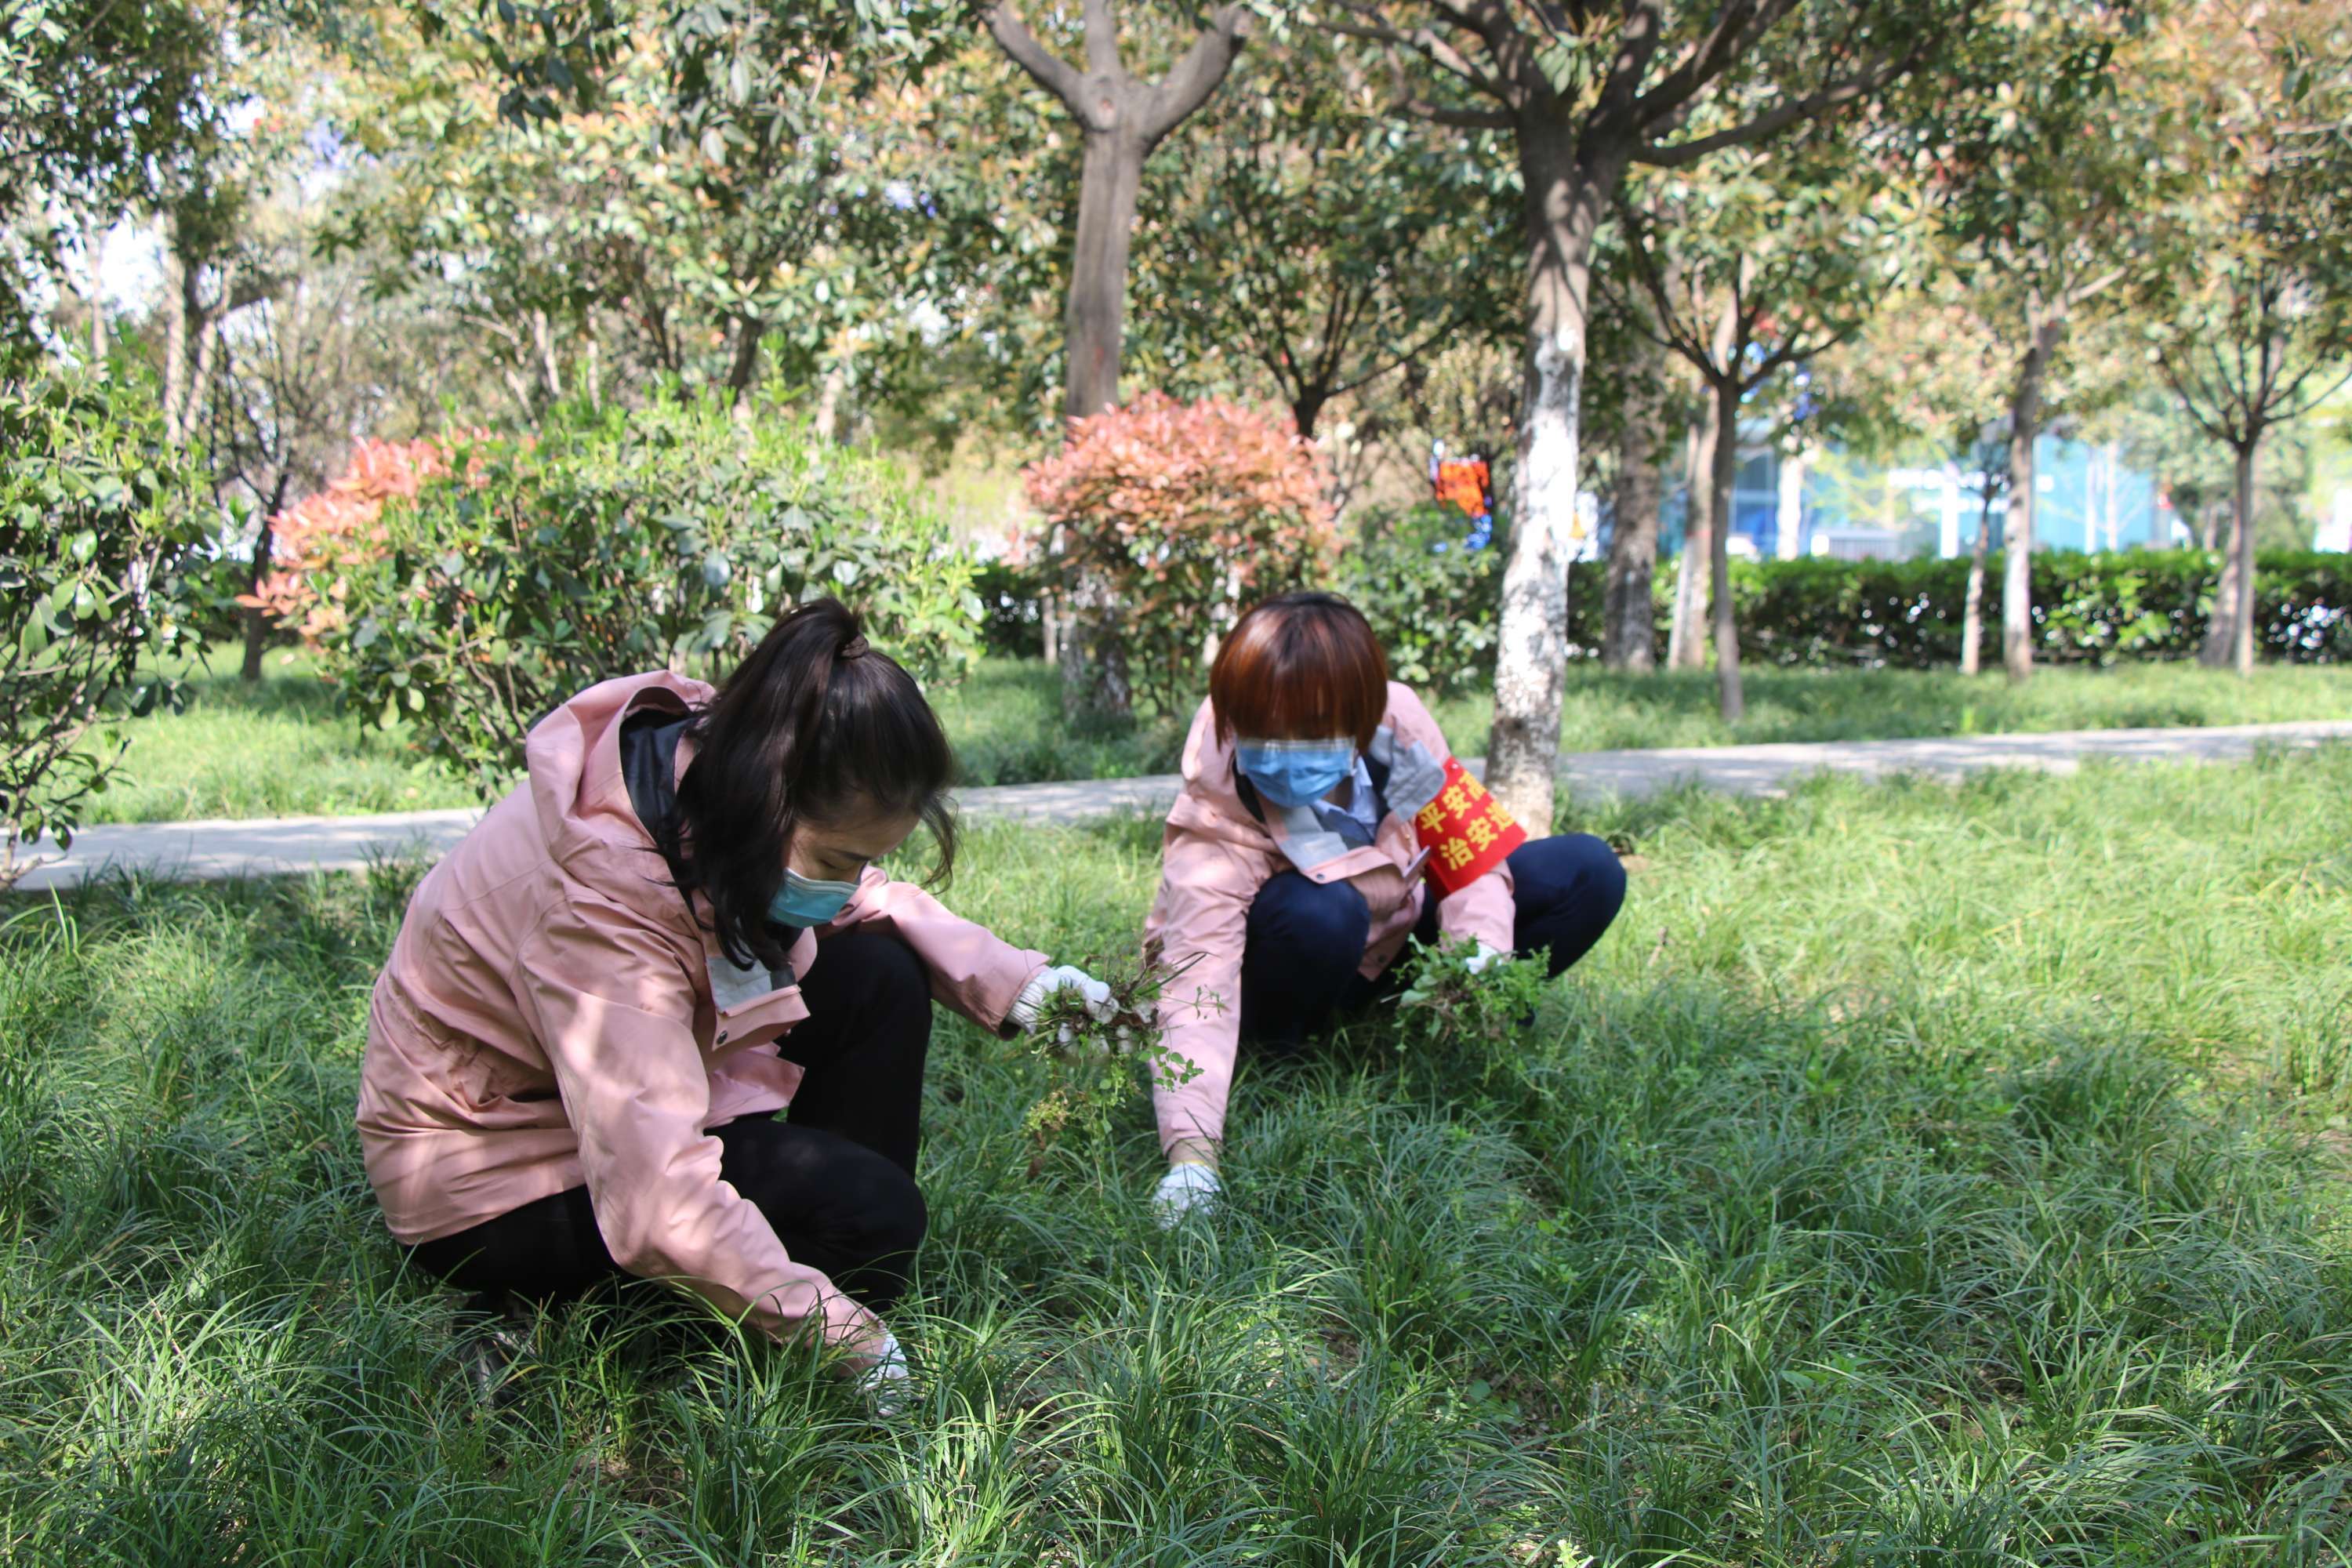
(886, 1381)
(1022, 1015)
(1483, 958)
(1187, 1189)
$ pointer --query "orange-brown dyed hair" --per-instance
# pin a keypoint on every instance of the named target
(1300, 667)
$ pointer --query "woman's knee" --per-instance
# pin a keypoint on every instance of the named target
(1313, 919)
(1577, 868)
(1597, 869)
(887, 971)
(811, 1182)
(898, 1217)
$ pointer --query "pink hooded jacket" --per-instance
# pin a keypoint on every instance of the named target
(552, 1014)
(1215, 857)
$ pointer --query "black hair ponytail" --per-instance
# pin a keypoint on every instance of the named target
(813, 725)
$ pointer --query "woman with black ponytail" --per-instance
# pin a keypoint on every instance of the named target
(662, 1013)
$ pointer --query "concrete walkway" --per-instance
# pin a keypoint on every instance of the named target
(213, 850)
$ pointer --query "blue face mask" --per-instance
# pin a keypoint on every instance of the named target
(805, 903)
(1296, 773)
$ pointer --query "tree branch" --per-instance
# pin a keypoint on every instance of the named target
(1639, 35)
(1675, 337)
(1047, 68)
(2180, 389)
(1196, 76)
(1796, 351)
(2083, 293)
(2298, 409)
(1457, 118)
(1735, 32)
(1772, 121)
(1102, 37)
(1426, 43)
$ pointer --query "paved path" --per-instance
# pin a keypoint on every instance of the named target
(211, 850)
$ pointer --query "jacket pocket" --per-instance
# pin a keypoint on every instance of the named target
(758, 1021)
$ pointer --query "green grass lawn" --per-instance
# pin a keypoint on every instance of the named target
(1916, 1175)
(277, 748)
(1008, 727)
(283, 748)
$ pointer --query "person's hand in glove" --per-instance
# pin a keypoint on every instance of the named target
(1189, 1188)
(1046, 983)
(1485, 957)
(884, 1377)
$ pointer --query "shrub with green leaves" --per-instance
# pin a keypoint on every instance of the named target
(618, 540)
(99, 516)
(1432, 598)
(2087, 609)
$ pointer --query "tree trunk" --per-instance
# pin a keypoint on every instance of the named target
(542, 332)
(1629, 624)
(1093, 658)
(2230, 632)
(257, 622)
(179, 285)
(2245, 553)
(1972, 617)
(1564, 196)
(2017, 536)
(1307, 410)
(1094, 654)
(1734, 698)
(1121, 118)
(1095, 320)
(257, 642)
(742, 368)
(206, 346)
(831, 388)
(1686, 633)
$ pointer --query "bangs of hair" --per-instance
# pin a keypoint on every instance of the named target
(1301, 667)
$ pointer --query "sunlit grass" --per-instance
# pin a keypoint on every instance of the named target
(282, 748)
(1916, 1175)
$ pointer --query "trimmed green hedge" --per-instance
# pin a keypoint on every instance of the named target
(1436, 612)
(2087, 609)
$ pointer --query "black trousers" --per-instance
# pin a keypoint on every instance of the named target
(1306, 939)
(835, 1178)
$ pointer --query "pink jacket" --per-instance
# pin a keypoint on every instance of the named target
(1215, 857)
(551, 1016)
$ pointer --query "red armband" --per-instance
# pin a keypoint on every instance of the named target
(1465, 831)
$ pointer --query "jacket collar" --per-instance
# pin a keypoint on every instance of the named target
(1215, 803)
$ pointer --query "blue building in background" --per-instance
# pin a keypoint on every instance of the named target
(1786, 508)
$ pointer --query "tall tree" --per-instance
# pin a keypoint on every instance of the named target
(1588, 92)
(1121, 117)
(1302, 229)
(1772, 261)
(2258, 280)
(720, 204)
(2044, 182)
(106, 106)
(1926, 375)
(1686, 617)
(1628, 632)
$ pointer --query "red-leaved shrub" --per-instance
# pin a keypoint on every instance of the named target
(1171, 517)
(312, 540)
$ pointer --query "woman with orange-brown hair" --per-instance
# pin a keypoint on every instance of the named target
(1323, 824)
